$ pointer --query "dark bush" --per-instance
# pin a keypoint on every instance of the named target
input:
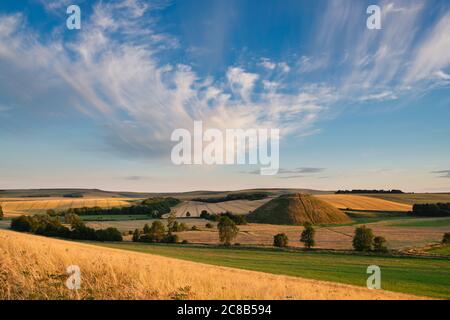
(379, 244)
(431, 210)
(23, 223)
(446, 238)
(209, 225)
(280, 240)
(109, 234)
(170, 238)
(51, 213)
(83, 232)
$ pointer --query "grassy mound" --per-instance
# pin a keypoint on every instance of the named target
(297, 209)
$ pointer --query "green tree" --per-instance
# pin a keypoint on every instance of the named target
(227, 230)
(136, 235)
(172, 221)
(24, 223)
(307, 236)
(72, 219)
(51, 213)
(1, 212)
(280, 240)
(157, 231)
(379, 244)
(363, 239)
(146, 229)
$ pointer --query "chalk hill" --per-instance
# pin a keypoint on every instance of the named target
(296, 209)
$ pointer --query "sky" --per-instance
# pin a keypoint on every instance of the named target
(95, 108)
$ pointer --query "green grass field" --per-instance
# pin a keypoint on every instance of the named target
(428, 222)
(443, 250)
(420, 276)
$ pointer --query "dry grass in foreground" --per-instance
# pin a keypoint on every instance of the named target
(33, 267)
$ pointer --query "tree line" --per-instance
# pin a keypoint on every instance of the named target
(235, 196)
(363, 239)
(394, 191)
(46, 225)
(431, 210)
(153, 207)
(238, 219)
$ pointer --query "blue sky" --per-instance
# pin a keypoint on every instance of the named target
(95, 107)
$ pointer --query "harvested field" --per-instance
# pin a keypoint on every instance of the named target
(338, 238)
(195, 208)
(18, 206)
(330, 237)
(35, 268)
(353, 202)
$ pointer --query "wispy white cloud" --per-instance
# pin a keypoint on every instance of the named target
(381, 64)
(382, 96)
(442, 173)
(111, 73)
(433, 55)
(271, 65)
(310, 63)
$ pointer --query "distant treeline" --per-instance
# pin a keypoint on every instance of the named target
(431, 210)
(73, 195)
(368, 191)
(238, 219)
(235, 196)
(153, 207)
(52, 227)
(37, 196)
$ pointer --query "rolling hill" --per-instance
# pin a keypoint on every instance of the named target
(296, 209)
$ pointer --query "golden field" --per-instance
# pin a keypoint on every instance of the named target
(356, 202)
(33, 267)
(18, 206)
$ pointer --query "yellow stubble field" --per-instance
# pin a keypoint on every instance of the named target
(13, 207)
(357, 202)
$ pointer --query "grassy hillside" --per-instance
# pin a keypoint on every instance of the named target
(34, 267)
(297, 209)
(420, 276)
